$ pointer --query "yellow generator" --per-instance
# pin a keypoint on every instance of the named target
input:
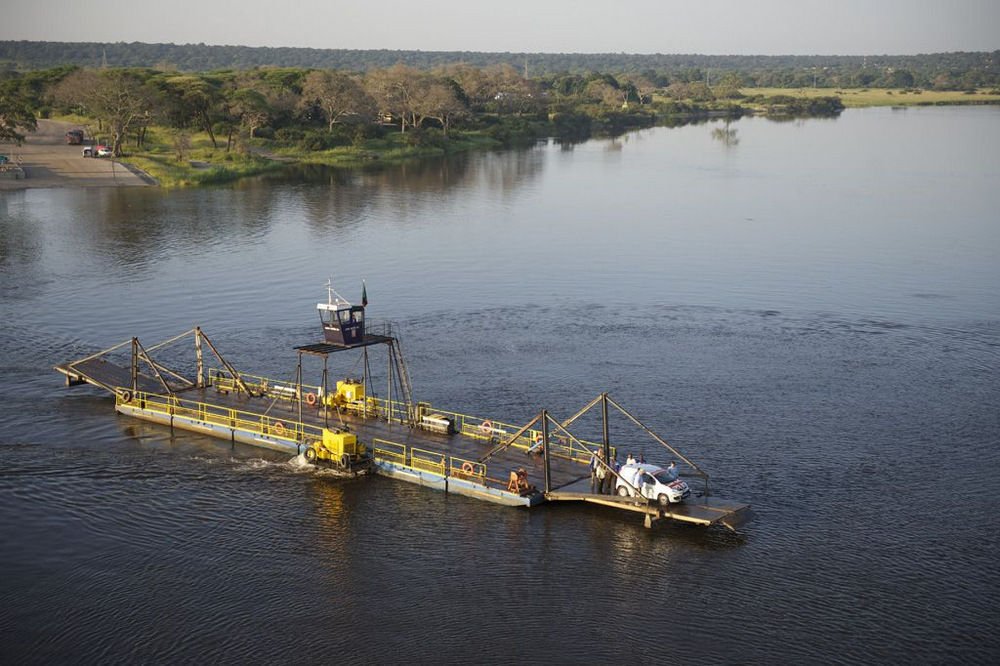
(341, 449)
(349, 392)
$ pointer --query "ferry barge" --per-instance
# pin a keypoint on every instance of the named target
(348, 427)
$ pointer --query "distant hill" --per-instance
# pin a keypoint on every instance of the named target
(26, 55)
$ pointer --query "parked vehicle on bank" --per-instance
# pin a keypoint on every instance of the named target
(97, 151)
(74, 137)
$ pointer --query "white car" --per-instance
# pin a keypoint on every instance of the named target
(654, 483)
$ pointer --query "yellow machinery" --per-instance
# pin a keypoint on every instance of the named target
(338, 448)
(349, 392)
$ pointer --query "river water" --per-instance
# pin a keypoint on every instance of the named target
(810, 310)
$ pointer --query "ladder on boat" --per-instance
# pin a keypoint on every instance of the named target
(404, 380)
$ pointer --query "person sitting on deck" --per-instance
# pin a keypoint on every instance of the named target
(518, 481)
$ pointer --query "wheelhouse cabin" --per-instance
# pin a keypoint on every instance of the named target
(343, 323)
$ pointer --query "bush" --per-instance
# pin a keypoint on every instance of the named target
(364, 132)
(514, 131)
(425, 137)
(264, 133)
(289, 134)
(571, 125)
(324, 140)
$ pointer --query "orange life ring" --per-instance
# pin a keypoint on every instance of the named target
(468, 468)
(486, 426)
(310, 399)
(539, 439)
(279, 428)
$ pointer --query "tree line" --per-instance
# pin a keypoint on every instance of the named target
(945, 71)
(322, 108)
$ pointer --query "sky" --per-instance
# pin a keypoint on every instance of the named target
(719, 27)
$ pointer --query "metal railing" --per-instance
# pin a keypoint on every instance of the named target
(435, 462)
(216, 415)
(476, 427)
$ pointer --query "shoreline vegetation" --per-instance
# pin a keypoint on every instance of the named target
(204, 166)
(191, 129)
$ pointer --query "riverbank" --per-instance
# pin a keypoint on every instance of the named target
(204, 163)
(47, 161)
(172, 159)
(865, 97)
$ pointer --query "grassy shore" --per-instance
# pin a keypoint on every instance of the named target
(190, 159)
(861, 97)
(182, 159)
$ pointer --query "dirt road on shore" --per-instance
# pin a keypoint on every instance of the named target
(47, 161)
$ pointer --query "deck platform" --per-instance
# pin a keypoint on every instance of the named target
(703, 511)
(105, 374)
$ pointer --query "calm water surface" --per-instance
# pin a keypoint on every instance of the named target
(811, 310)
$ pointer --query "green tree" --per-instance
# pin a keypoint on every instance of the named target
(900, 78)
(191, 99)
(729, 86)
(250, 107)
(15, 114)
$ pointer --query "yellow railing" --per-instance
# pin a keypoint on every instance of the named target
(373, 407)
(389, 451)
(467, 469)
(251, 422)
(429, 461)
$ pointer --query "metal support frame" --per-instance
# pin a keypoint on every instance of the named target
(326, 392)
(298, 391)
(200, 379)
(545, 451)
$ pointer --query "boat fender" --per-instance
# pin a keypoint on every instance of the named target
(310, 455)
(468, 468)
(310, 399)
(486, 427)
(345, 461)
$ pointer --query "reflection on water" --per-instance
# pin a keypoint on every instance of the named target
(726, 135)
(811, 314)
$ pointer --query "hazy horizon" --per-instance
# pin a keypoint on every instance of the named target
(636, 53)
(727, 27)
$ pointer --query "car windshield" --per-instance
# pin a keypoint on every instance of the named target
(663, 476)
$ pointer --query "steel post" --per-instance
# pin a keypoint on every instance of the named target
(545, 450)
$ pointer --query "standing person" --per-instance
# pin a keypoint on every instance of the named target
(602, 473)
(630, 460)
(609, 478)
(672, 470)
(593, 470)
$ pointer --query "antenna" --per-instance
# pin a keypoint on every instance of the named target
(332, 297)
